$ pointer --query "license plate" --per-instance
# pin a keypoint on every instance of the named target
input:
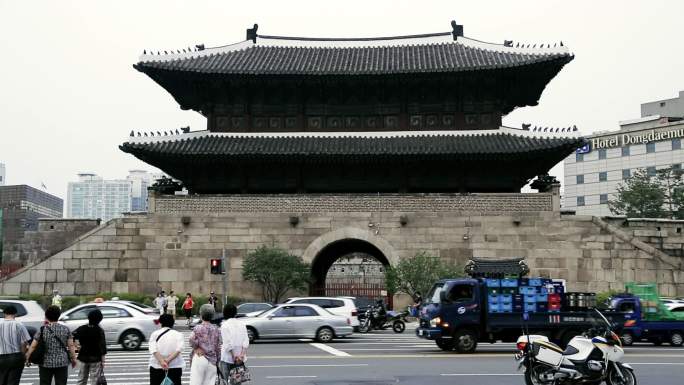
(420, 332)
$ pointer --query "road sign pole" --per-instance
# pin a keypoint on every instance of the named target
(224, 266)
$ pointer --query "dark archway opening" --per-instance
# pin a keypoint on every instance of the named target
(354, 285)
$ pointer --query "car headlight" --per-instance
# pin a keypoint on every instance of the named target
(435, 322)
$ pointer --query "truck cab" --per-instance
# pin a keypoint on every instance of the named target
(638, 328)
(452, 313)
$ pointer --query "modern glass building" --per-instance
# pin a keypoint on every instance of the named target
(20, 208)
(2, 174)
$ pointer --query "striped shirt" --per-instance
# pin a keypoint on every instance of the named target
(12, 336)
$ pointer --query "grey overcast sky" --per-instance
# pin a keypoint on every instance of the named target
(69, 96)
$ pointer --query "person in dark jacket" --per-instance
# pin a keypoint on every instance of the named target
(93, 348)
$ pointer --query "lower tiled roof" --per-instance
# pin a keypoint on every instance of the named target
(496, 143)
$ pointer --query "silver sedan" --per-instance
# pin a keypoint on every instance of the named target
(298, 321)
(122, 324)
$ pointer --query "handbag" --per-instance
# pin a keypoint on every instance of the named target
(239, 374)
(38, 355)
(100, 379)
(166, 380)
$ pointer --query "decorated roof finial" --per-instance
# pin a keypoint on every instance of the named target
(200, 47)
(526, 126)
(456, 30)
(132, 133)
(185, 129)
(252, 33)
(574, 128)
(508, 43)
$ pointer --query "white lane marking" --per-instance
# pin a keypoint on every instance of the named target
(309, 366)
(330, 350)
(279, 377)
(478, 374)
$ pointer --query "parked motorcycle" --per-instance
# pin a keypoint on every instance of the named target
(590, 358)
(375, 317)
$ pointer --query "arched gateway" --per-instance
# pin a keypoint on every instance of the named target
(329, 247)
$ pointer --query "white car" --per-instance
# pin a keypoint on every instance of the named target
(122, 324)
(343, 306)
(298, 321)
(29, 313)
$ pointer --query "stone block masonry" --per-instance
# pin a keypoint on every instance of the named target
(170, 248)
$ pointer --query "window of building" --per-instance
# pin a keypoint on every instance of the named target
(625, 151)
(579, 179)
(650, 147)
(580, 201)
(603, 199)
(603, 153)
(603, 176)
(677, 167)
(579, 157)
(676, 144)
(651, 171)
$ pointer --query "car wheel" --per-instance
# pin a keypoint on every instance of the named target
(131, 340)
(676, 339)
(251, 334)
(325, 335)
(465, 341)
(627, 339)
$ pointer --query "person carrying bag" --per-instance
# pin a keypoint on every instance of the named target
(166, 361)
(235, 342)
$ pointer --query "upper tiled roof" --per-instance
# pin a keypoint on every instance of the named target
(271, 55)
(454, 144)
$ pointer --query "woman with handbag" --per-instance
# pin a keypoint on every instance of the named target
(93, 348)
(206, 348)
(54, 345)
(166, 361)
(235, 342)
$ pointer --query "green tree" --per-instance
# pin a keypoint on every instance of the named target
(672, 185)
(277, 271)
(640, 196)
(419, 273)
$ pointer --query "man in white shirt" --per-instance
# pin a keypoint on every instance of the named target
(165, 347)
(235, 341)
(14, 339)
(172, 301)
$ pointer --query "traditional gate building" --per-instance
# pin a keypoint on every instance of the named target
(384, 147)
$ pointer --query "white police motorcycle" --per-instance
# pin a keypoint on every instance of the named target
(590, 358)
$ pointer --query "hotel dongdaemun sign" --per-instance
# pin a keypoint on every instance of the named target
(627, 139)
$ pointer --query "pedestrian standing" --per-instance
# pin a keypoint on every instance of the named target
(172, 301)
(205, 341)
(165, 347)
(93, 348)
(59, 349)
(188, 304)
(14, 340)
(56, 299)
(159, 303)
(165, 302)
(417, 301)
(234, 341)
(213, 300)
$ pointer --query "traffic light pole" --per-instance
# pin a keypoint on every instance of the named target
(224, 266)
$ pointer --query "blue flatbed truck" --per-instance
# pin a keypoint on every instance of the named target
(636, 328)
(455, 316)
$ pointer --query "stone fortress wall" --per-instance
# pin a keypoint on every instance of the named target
(170, 247)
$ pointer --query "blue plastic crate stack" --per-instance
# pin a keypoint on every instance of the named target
(509, 295)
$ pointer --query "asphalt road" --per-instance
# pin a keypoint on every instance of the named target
(380, 359)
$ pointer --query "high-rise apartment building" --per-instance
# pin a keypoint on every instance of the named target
(97, 198)
(94, 197)
(3, 176)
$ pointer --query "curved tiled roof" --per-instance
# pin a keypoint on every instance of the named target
(282, 56)
(327, 145)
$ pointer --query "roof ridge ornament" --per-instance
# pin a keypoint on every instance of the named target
(252, 33)
(456, 30)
